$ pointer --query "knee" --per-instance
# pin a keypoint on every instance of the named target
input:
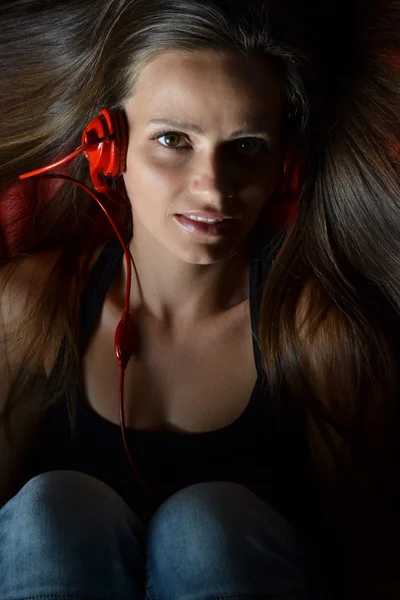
(70, 532)
(190, 524)
(59, 505)
(217, 515)
(225, 531)
(63, 492)
(55, 487)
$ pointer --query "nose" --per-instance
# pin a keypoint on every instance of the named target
(209, 178)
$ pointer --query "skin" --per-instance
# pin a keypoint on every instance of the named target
(181, 273)
(193, 369)
(193, 366)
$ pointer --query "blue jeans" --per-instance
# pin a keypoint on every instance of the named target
(66, 535)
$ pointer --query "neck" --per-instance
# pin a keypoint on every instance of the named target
(173, 290)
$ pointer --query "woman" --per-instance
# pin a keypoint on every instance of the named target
(217, 120)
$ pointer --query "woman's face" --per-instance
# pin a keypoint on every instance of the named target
(204, 152)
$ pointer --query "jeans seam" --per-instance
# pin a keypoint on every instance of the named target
(149, 591)
(269, 596)
(53, 597)
(287, 594)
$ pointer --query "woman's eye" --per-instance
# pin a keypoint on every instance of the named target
(244, 146)
(250, 146)
(172, 140)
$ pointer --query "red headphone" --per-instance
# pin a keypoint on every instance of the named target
(104, 143)
(106, 158)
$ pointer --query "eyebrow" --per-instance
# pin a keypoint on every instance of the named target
(250, 130)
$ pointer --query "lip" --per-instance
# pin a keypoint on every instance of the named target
(218, 229)
(207, 215)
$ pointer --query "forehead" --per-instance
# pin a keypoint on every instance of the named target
(208, 85)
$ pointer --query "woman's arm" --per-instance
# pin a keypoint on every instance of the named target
(20, 287)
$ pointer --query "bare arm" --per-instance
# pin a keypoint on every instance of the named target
(20, 431)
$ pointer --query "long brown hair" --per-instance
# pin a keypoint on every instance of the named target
(330, 309)
(330, 327)
(73, 60)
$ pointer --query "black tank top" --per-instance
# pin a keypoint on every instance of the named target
(267, 455)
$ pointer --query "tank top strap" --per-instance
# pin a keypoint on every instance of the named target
(260, 265)
(98, 282)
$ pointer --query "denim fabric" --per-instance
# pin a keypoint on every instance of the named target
(66, 535)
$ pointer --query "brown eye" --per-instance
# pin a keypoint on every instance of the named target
(250, 146)
(171, 140)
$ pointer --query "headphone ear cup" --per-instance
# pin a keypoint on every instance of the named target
(121, 146)
(107, 135)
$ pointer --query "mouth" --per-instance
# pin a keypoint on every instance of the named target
(206, 224)
(205, 219)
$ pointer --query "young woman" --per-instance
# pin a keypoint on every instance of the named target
(262, 383)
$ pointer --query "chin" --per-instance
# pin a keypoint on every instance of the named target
(206, 255)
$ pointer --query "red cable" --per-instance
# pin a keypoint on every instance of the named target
(123, 346)
(134, 468)
(120, 238)
(60, 162)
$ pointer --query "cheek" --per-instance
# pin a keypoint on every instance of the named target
(272, 171)
(262, 181)
(150, 177)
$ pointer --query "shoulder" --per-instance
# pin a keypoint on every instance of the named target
(21, 285)
(22, 282)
